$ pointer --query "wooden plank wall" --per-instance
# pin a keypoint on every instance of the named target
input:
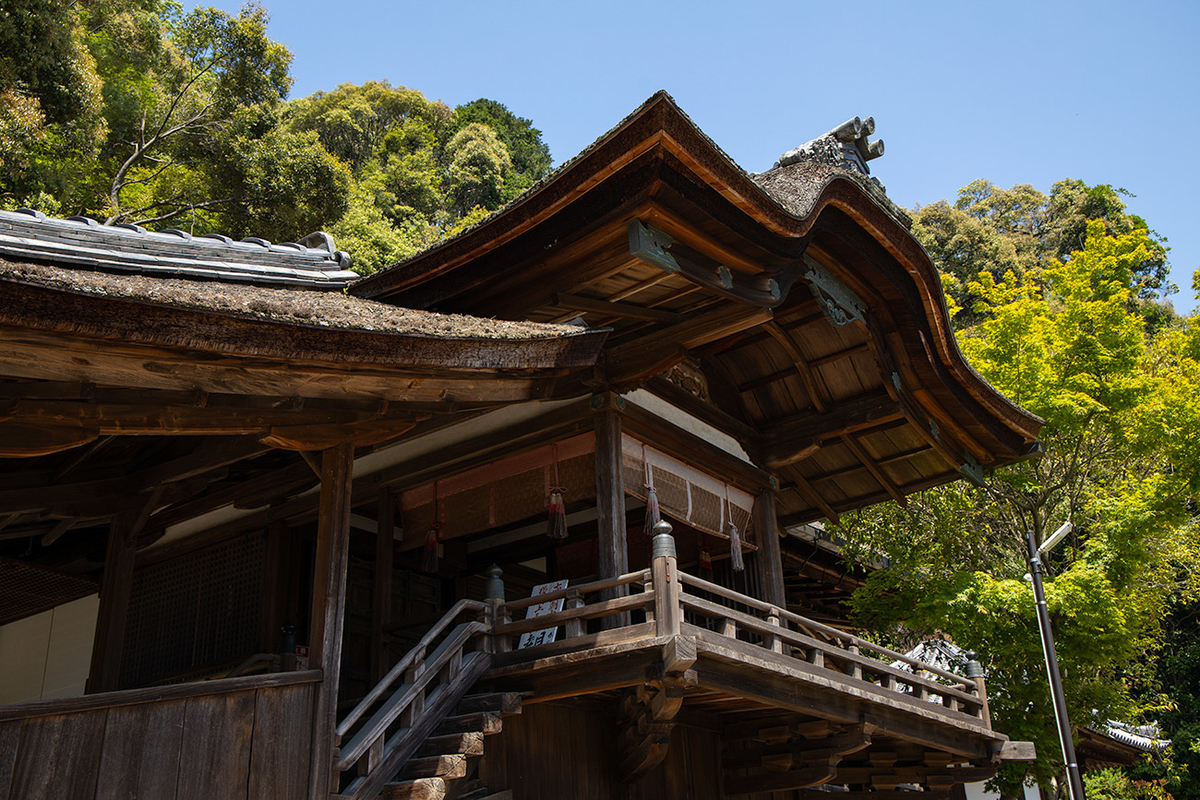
(567, 750)
(245, 741)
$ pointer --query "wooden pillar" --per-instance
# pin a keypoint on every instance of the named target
(116, 587)
(329, 605)
(610, 507)
(381, 612)
(770, 561)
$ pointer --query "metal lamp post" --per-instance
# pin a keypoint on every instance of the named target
(1074, 781)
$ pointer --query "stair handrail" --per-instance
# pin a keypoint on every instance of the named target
(406, 661)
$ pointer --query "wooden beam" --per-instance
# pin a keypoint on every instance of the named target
(770, 562)
(328, 608)
(614, 309)
(643, 358)
(610, 506)
(116, 586)
(29, 439)
(876, 471)
(788, 441)
(809, 493)
(381, 600)
(816, 392)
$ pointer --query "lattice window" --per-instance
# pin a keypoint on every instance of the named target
(196, 611)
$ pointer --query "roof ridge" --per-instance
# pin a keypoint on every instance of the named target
(83, 243)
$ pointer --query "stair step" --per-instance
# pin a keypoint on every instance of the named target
(420, 789)
(467, 744)
(486, 794)
(487, 722)
(507, 703)
(441, 766)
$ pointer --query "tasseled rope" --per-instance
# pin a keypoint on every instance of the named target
(556, 526)
(735, 538)
(653, 513)
(429, 558)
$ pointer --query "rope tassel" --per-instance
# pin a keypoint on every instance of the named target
(556, 528)
(429, 558)
(735, 538)
(653, 512)
(735, 547)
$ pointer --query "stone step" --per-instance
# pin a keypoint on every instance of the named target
(420, 789)
(467, 744)
(487, 722)
(483, 793)
(506, 703)
(441, 766)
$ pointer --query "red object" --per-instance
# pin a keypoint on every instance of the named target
(556, 528)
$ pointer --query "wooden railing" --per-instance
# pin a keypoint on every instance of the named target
(407, 704)
(850, 657)
(611, 601)
(670, 602)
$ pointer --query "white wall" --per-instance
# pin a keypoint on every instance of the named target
(48, 655)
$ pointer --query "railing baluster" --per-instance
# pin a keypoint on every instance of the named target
(855, 667)
(773, 642)
(664, 572)
(816, 657)
(573, 627)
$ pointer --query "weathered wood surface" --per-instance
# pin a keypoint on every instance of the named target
(116, 584)
(328, 606)
(248, 739)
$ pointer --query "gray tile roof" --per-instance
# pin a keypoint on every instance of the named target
(84, 244)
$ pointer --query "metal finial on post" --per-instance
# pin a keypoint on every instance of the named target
(664, 574)
(494, 589)
(663, 543)
(974, 668)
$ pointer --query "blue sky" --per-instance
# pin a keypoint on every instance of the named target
(1014, 92)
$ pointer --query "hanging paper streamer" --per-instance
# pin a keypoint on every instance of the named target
(653, 513)
(735, 538)
(556, 526)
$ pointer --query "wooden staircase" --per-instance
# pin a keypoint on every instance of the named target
(444, 766)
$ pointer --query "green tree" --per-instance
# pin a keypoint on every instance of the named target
(530, 155)
(478, 167)
(1121, 437)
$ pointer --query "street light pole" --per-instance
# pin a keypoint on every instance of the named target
(1074, 781)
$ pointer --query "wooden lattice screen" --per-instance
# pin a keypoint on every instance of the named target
(194, 613)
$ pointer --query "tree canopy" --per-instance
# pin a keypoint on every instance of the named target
(133, 111)
(1078, 337)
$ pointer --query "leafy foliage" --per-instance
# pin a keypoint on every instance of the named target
(1064, 338)
(133, 111)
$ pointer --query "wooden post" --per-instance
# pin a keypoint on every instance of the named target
(381, 614)
(116, 586)
(610, 507)
(328, 610)
(975, 673)
(770, 562)
(664, 571)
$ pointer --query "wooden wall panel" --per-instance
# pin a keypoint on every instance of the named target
(141, 752)
(221, 739)
(59, 757)
(279, 759)
(217, 732)
(10, 738)
(543, 738)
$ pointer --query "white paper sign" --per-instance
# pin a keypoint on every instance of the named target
(534, 638)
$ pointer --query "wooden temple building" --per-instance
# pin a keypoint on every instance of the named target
(268, 530)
